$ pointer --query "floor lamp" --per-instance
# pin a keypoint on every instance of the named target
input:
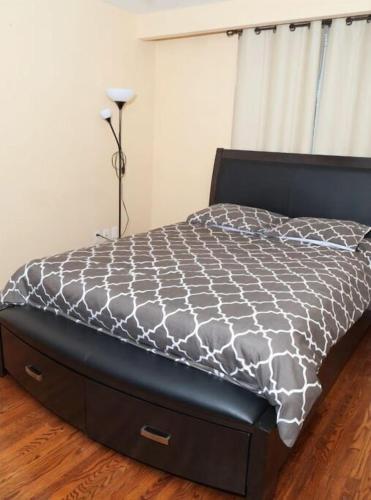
(120, 96)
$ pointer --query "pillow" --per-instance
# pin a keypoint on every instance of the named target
(365, 249)
(331, 233)
(237, 218)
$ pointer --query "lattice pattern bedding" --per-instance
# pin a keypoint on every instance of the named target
(260, 312)
(333, 233)
(237, 217)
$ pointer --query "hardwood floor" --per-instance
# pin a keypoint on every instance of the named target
(43, 458)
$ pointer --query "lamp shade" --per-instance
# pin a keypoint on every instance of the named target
(120, 95)
(106, 113)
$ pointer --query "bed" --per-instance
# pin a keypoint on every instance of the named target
(170, 414)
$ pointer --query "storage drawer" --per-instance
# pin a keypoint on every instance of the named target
(2, 367)
(56, 387)
(180, 444)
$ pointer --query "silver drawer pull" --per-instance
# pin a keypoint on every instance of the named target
(33, 373)
(155, 435)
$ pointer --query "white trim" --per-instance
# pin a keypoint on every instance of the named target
(319, 243)
(240, 14)
(235, 230)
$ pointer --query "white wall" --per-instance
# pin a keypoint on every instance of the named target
(56, 183)
(195, 80)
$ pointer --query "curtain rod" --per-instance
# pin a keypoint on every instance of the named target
(259, 29)
(234, 32)
(292, 26)
(349, 20)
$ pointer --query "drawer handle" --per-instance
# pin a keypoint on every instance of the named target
(155, 435)
(34, 373)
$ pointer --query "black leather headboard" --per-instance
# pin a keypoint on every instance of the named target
(295, 185)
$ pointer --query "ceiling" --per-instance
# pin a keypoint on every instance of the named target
(141, 6)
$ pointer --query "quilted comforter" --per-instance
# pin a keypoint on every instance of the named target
(257, 311)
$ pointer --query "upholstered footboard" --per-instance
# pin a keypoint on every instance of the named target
(167, 415)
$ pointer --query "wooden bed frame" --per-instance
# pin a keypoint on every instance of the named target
(168, 415)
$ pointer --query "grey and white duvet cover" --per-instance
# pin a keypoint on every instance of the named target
(260, 312)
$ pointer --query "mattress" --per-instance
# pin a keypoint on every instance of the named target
(257, 311)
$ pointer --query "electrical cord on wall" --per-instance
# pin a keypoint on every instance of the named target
(103, 237)
(115, 164)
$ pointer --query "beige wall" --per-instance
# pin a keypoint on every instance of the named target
(194, 91)
(56, 183)
(231, 14)
(57, 58)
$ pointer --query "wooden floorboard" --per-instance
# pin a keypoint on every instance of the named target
(42, 457)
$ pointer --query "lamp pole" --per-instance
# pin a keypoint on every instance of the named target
(121, 164)
(119, 96)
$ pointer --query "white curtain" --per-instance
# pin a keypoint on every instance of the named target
(343, 124)
(276, 89)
